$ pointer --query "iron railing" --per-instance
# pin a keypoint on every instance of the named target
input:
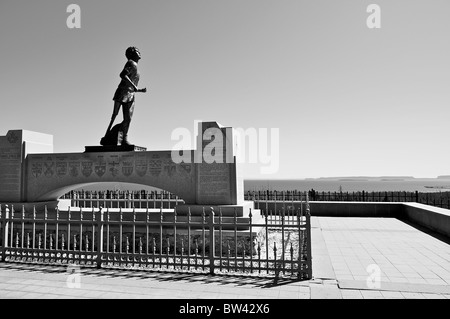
(438, 199)
(268, 244)
(124, 199)
(164, 199)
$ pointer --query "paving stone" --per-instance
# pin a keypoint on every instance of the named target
(433, 296)
(412, 295)
(371, 294)
(325, 292)
(351, 294)
(392, 295)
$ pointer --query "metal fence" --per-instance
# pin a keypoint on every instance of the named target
(267, 244)
(124, 199)
(164, 199)
(438, 199)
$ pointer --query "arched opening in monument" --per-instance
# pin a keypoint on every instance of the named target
(115, 192)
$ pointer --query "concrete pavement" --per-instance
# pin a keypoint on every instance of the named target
(363, 258)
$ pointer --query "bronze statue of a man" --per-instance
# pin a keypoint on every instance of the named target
(124, 96)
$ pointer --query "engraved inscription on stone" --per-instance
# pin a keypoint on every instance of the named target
(12, 137)
(170, 167)
(127, 164)
(74, 169)
(87, 168)
(100, 166)
(36, 169)
(10, 168)
(141, 165)
(49, 169)
(61, 169)
(214, 179)
(113, 165)
(155, 165)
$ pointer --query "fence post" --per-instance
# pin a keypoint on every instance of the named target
(308, 232)
(4, 235)
(212, 244)
(99, 237)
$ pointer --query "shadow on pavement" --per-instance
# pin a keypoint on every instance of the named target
(160, 275)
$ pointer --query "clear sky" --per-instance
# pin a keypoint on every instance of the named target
(347, 100)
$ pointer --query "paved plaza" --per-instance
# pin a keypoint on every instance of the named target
(352, 258)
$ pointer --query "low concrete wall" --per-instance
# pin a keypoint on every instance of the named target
(342, 209)
(356, 209)
(434, 218)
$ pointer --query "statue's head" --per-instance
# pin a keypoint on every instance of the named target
(132, 53)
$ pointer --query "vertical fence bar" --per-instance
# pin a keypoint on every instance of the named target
(203, 237)
(154, 251)
(5, 225)
(167, 252)
(22, 222)
(68, 229)
(235, 240)
(251, 241)
(160, 236)
(174, 235)
(228, 255)
(292, 259)
(220, 239)
(266, 196)
(134, 232)
(212, 246)
(300, 240)
(80, 244)
(182, 252)
(196, 252)
(259, 258)
(267, 241)
(11, 224)
(308, 232)
(275, 258)
(93, 236)
(147, 219)
(57, 228)
(100, 237)
(275, 201)
(45, 227)
(189, 238)
(120, 233)
(282, 240)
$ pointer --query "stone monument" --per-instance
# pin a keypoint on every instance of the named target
(30, 173)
